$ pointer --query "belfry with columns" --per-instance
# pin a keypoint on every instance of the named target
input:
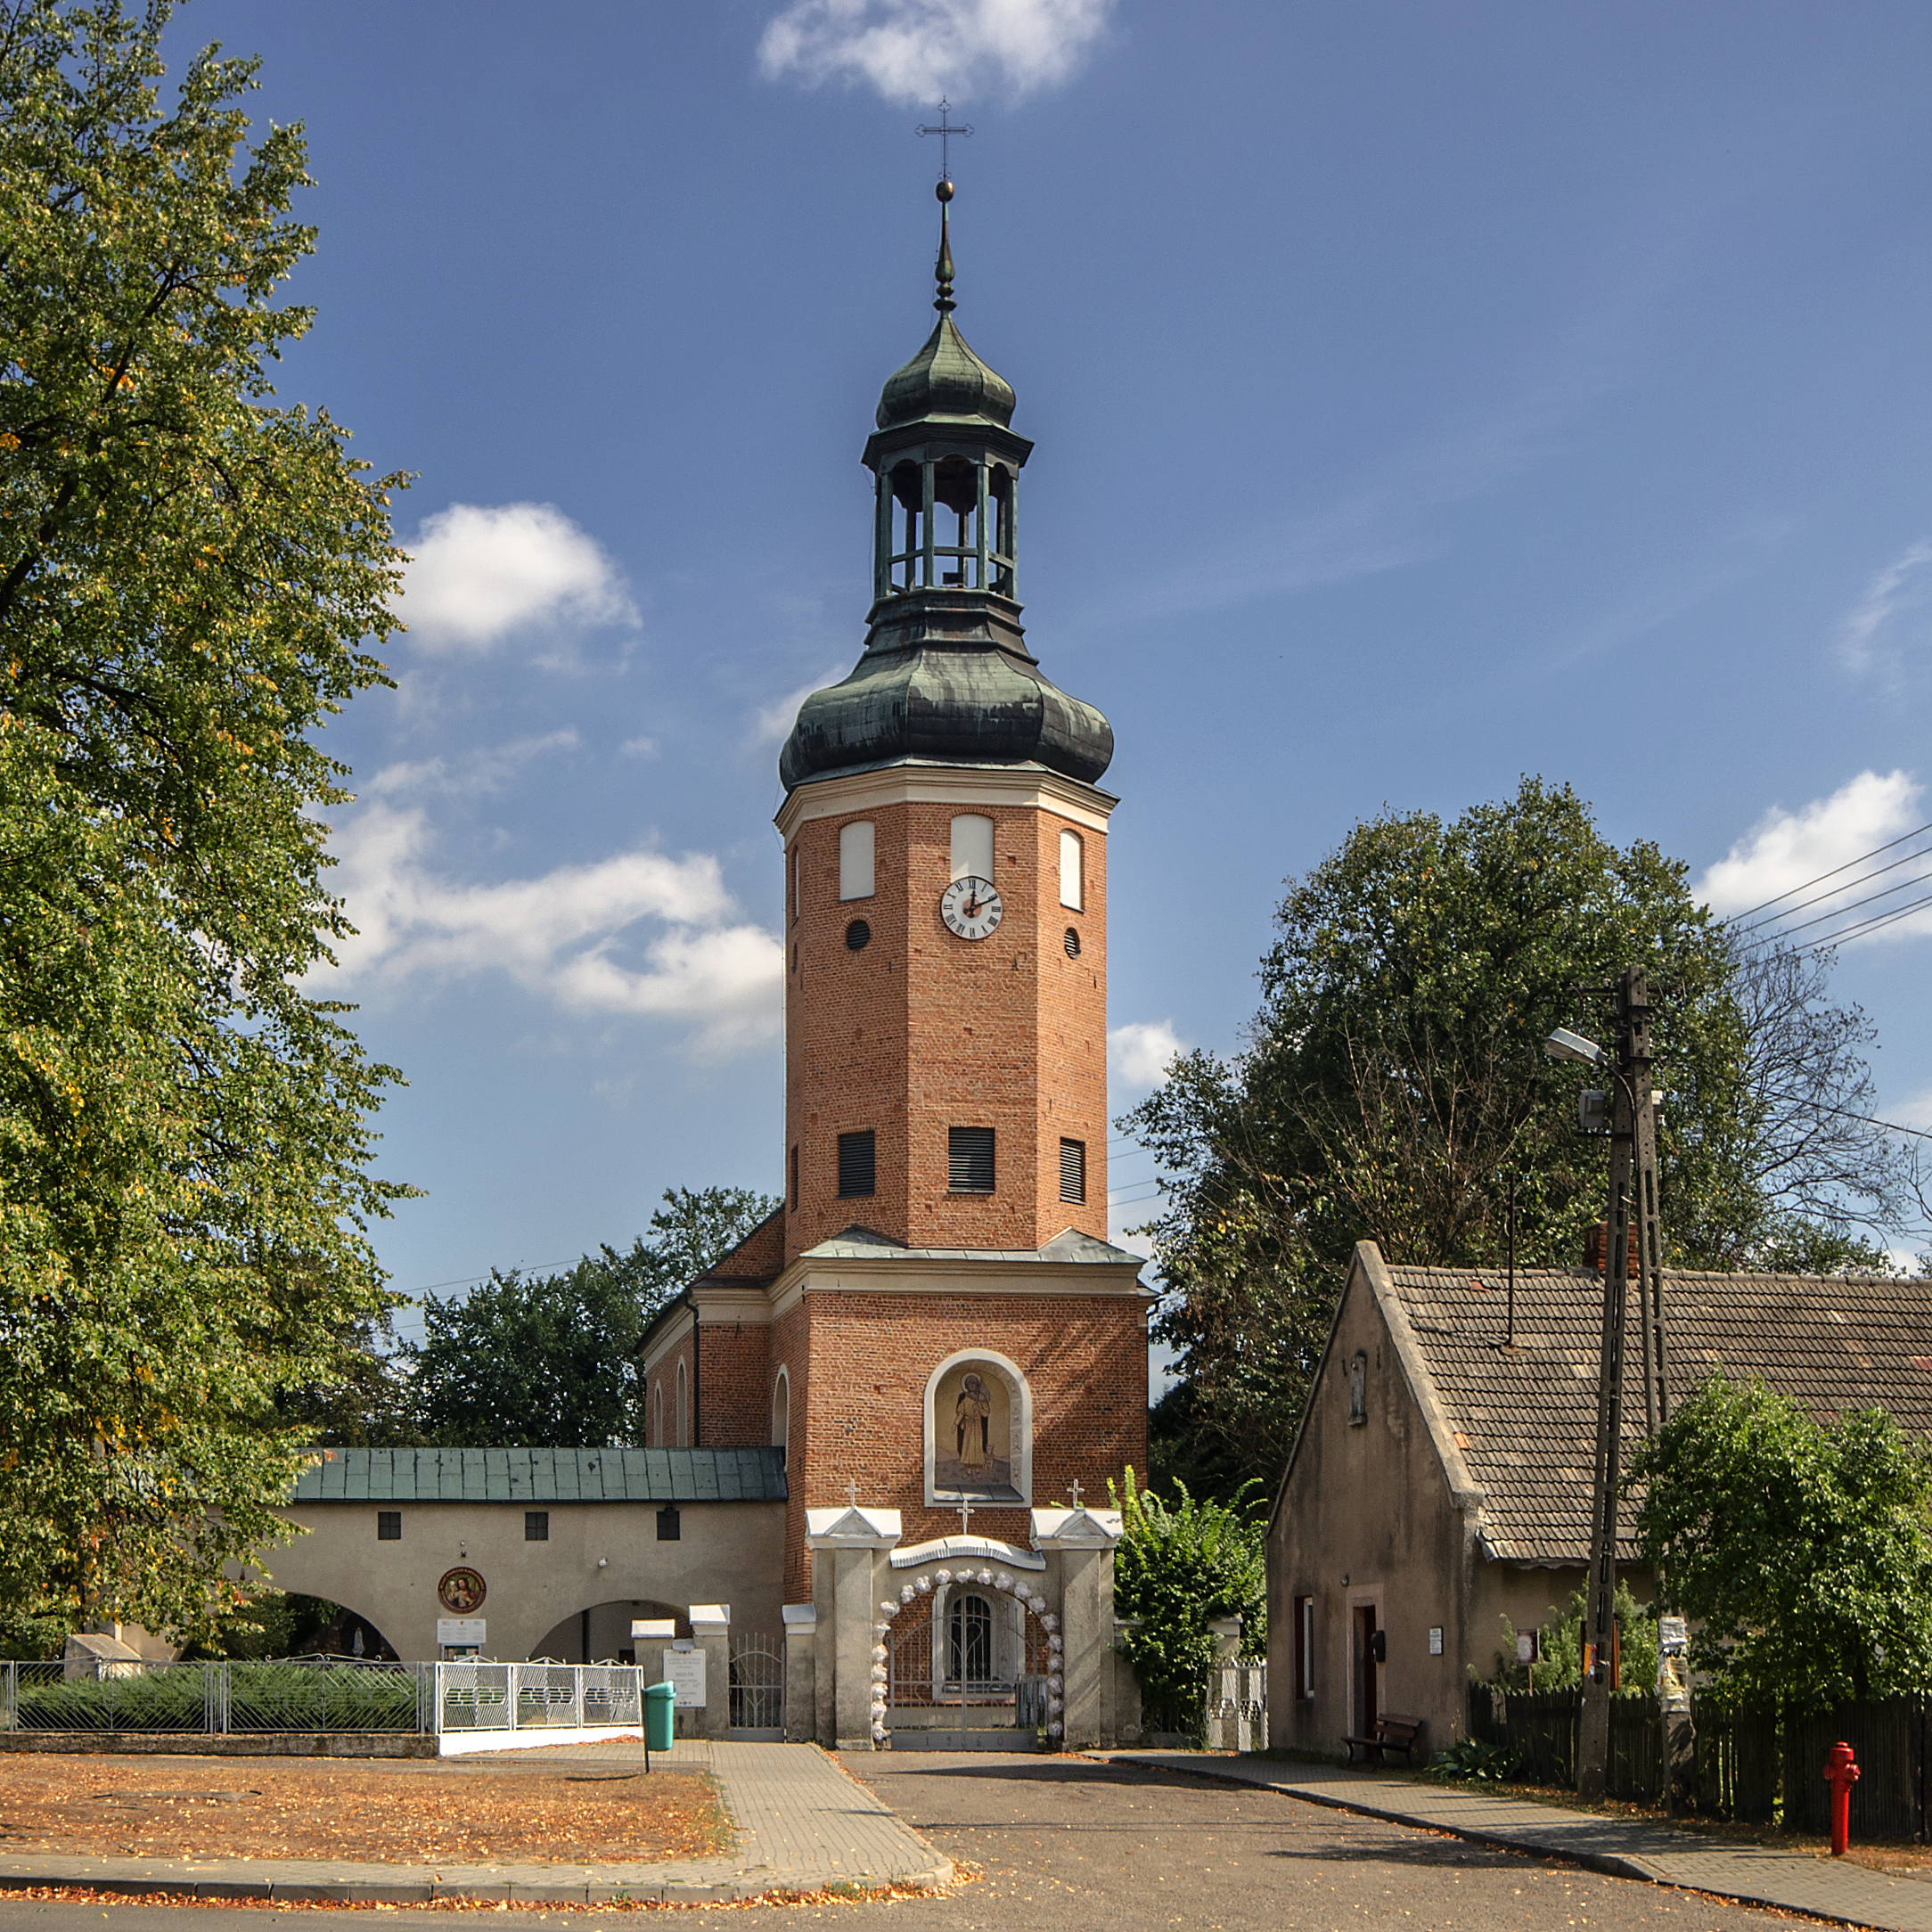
(935, 1330)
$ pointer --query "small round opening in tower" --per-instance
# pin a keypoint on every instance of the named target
(857, 936)
(1072, 942)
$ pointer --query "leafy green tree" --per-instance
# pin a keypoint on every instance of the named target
(1799, 1549)
(1394, 1088)
(549, 1359)
(1177, 1567)
(1558, 1663)
(188, 572)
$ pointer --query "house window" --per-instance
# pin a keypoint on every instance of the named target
(855, 860)
(858, 1164)
(972, 846)
(969, 1161)
(536, 1526)
(1073, 1170)
(668, 1530)
(1072, 872)
(969, 1651)
(1305, 1647)
(388, 1525)
(1358, 1390)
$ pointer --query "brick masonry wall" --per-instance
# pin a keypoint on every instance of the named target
(791, 1347)
(734, 1398)
(859, 1412)
(664, 1376)
(921, 1031)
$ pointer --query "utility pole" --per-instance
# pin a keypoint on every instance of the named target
(1632, 1186)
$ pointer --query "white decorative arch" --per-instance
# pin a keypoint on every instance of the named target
(781, 1408)
(1019, 1408)
(1026, 1600)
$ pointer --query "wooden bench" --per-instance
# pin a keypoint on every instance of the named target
(1392, 1734)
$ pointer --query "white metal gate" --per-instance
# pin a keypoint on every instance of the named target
(757, 1688)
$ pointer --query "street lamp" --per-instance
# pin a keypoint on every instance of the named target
(1564, 1045)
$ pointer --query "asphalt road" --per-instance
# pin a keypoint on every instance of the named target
(1065, 1844)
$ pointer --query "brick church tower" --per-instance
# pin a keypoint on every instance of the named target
(936, 1317)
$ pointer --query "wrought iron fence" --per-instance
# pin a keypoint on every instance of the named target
(75, 1696)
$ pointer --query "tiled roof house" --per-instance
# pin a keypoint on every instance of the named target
(1441, 1480)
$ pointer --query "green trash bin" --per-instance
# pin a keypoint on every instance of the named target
(660, 1704)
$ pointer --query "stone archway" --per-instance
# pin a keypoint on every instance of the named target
(913, 1693)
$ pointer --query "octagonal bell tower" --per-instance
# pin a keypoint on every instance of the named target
(945, 865)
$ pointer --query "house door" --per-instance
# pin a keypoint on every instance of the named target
(1367, 1703)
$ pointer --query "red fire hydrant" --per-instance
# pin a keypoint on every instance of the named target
(1841, 1774)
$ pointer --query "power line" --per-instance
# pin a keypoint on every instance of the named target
(1870, 926)
(1805, 885)
(1871, 899)
(1910, 858)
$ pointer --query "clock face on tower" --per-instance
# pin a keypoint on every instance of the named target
(970, 908)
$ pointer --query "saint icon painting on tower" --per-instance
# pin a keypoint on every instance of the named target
(972, 1436)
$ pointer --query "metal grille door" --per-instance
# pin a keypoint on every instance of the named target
(757, 1688)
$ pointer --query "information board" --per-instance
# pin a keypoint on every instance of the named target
(452, 1630)
(685, 1670)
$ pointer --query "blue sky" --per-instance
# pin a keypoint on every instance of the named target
(1423, 395)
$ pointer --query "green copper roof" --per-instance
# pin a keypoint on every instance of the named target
(945, 382)
(542, 1476)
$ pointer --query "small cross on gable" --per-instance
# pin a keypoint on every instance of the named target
(852, 1492)
(1076, 1494)
(965, 1519)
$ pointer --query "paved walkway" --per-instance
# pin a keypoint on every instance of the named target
(1623, 1847)
(802, 1824)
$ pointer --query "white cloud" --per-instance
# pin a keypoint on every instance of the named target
(471, 775)
(1138, 1052)
(1915, 1112)
(1785, 850)
(771, 724)
(912, 52)
(1869, 640)
(478, 573)
(638, 747)
(570, 936)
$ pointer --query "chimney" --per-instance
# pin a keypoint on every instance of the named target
(1597, 1242)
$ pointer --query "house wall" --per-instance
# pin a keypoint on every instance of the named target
(726, 1552)
(1367, 1515)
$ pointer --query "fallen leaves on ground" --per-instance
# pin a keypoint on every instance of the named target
(398, 1812)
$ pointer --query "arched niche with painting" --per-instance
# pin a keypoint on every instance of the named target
(978, 1431)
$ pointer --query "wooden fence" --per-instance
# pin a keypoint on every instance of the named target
(1751, 1765)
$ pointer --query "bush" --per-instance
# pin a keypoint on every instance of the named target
(1477, 1759)
(1179, 1566)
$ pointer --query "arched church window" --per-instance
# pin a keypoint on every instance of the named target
(781, 1409)
(855, 860)
(969, 1650)
(683, 1410)
(972, 846)
(657, 1416)
(1072, 872)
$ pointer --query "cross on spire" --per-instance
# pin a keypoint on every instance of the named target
(965, 1519)
(946, 130)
